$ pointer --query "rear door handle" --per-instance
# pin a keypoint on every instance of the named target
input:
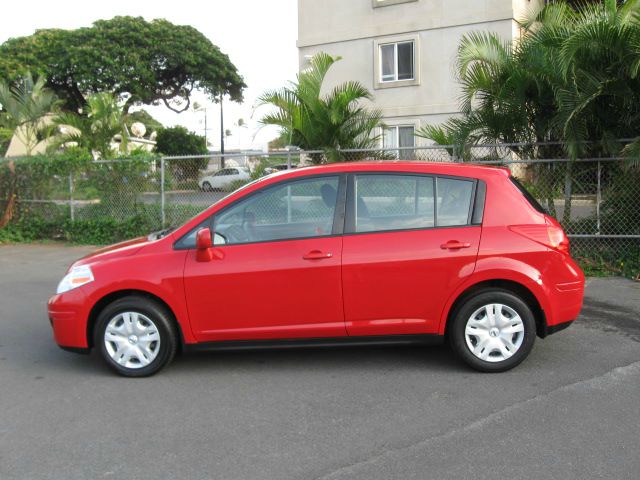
(316, 255)
(454, 245)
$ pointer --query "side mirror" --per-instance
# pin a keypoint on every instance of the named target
(203, 239)
(205, 250)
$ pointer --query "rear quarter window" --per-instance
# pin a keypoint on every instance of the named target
(525, 193)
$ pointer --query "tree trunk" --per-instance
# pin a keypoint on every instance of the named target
(568, 186)
(11, 197)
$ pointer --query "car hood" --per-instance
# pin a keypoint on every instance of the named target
(117, 250)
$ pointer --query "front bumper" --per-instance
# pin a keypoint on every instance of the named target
(68, 317)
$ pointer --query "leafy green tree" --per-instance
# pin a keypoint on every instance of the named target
(331, 122)
(24, 107)
(573, 77)
(145, 62)
(178, 141)
(96, 130)
(174, 141)
(145, 118)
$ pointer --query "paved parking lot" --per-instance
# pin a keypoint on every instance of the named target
(570, 411)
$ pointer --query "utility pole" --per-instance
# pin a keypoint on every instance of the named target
(205, 129)
(221, 134)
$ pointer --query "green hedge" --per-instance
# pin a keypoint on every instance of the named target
(93, 232)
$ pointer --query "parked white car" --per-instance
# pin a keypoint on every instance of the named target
(222, 179)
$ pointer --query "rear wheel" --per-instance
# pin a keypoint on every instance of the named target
(206, 187)
(493, 331)
(135, 336)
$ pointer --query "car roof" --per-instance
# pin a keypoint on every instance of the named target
(408, 166)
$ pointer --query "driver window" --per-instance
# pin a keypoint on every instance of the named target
(296, 209)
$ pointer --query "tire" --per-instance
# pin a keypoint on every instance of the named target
(135, 336)
(495, 324)
(206, 187)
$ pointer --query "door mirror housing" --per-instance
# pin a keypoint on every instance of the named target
(203, 239)
(205, 250)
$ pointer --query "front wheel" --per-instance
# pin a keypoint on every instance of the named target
(493, 331)
(135, 336)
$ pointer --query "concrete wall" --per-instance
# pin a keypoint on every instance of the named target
(353, 29)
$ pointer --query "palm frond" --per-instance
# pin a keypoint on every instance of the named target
(632, 153)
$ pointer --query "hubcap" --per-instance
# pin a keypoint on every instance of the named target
(132, 340)
(494, 332)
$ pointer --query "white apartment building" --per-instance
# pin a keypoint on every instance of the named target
(403, 51)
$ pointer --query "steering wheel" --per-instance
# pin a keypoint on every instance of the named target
(236, 234)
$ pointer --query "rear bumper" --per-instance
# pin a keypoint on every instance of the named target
(68, 317)
(564, 301)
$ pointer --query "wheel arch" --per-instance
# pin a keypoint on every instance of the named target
(517, 288)
(116, 295)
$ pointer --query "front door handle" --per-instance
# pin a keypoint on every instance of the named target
(316, 255)
(454, 245)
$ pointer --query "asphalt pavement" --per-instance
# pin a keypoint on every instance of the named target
(570, 411)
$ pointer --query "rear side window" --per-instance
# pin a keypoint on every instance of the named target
(387, 202)
(534, 203)
(454, 201)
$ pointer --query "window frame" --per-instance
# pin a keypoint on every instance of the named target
(398, 149)
(338, 215)
(395, 61)
(378, 43)
(350, 211)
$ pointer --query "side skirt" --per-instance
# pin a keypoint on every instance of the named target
(330, 342)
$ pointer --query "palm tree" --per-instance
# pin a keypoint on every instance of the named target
(574, 77)
(24, 108)
(96, 130)
(330, 122)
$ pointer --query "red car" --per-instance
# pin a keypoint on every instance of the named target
(368, 253)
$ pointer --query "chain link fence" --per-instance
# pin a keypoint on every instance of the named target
(596, 198)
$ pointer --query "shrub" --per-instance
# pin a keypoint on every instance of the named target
(178, 141)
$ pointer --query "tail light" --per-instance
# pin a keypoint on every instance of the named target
(550, 234)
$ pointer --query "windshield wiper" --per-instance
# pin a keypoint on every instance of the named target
(160, 233)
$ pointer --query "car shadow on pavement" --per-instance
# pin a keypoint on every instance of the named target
(364, 359)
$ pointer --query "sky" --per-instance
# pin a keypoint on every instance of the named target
(259, 37)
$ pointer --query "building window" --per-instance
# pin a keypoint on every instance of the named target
(396, 61)
(400, 138)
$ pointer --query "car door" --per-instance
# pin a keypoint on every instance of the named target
(409, 241)
(277, 269)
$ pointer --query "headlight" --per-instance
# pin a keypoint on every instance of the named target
(77, 277)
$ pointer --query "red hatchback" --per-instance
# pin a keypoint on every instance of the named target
(343, 254)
